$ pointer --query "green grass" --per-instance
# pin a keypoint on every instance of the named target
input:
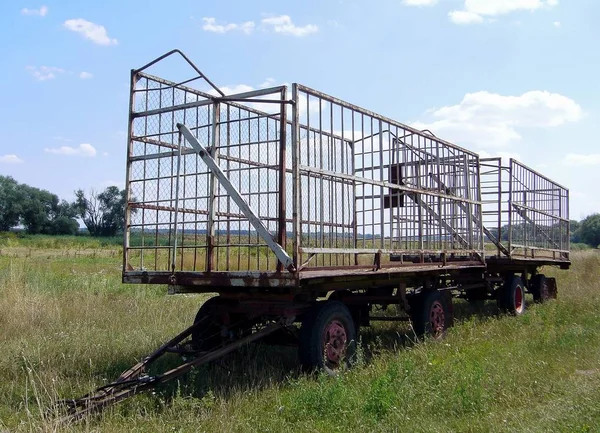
(67, 324)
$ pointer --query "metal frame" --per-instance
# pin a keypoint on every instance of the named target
(258, 197)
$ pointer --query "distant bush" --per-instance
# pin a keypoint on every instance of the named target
(579, 246)
(21, 239)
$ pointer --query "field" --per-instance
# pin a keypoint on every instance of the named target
(67, 325)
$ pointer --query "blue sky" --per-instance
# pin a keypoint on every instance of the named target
(500, 77)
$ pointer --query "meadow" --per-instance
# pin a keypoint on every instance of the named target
(68, 324)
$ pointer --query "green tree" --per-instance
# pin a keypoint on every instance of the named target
(103, 214)
(43, 213)
(589, 230)
(37, 206)
(63, 225)
(10, 203)
(574, 227)
(39, 211)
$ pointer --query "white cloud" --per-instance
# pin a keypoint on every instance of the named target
(556, 23)
(577, 159)
(233, 90)
(504, 155)
(490, 120)
(278, 24)
(419, 2)
(42, 11)
(474, 11)
(210, 25)
(43, 73)
(283, 24)
(84, 149)
(267, 83)
(266, 106)
(464, 17)
(89, 30)
(241, 88)
(10, 159)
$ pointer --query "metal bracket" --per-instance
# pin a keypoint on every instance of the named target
(281, 254)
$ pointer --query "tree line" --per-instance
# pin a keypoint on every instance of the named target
(586, 231)
(38, 211)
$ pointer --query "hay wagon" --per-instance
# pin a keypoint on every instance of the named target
(306, 215)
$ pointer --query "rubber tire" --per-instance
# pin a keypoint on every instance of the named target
(422, 310)
(311, 347)
(360, 313)
(207, 336)
(508, 296)
(539, 288)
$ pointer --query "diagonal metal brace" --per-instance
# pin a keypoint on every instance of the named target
(281, 254)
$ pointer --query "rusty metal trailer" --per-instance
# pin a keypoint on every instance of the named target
(302, 213)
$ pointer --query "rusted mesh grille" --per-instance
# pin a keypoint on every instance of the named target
(179, 214)
(539, 213)
(370, 184)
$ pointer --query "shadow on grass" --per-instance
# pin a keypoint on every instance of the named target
(259, 366)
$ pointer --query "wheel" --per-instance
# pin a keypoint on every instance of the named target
(359, 312)
(431, 314)
(540, 288)
(207, 335)
(327, 338)
(511, 297)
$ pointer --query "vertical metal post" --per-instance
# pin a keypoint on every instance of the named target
(469, 206)
(297, 210)
(479, 206)
(354, 199)
(500, 197)
(382, 178)
(561, 246)
(176, 219)
(281, 236)
(127, 222)
(228, 146)
(526, 179)
(510, 210)
(567, 247)
(419, 207)
(321, 186)
(210, 232)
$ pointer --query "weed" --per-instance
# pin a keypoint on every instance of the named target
(68, 325)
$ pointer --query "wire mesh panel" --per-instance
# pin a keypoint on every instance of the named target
(539, 214)
(179, 216)
(334, 185)
(371, 185)
(495, 208)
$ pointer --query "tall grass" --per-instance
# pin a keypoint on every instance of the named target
(67, 325)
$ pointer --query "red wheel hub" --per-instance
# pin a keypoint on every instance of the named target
(334, 341)
(519, 299)
(437, 318)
